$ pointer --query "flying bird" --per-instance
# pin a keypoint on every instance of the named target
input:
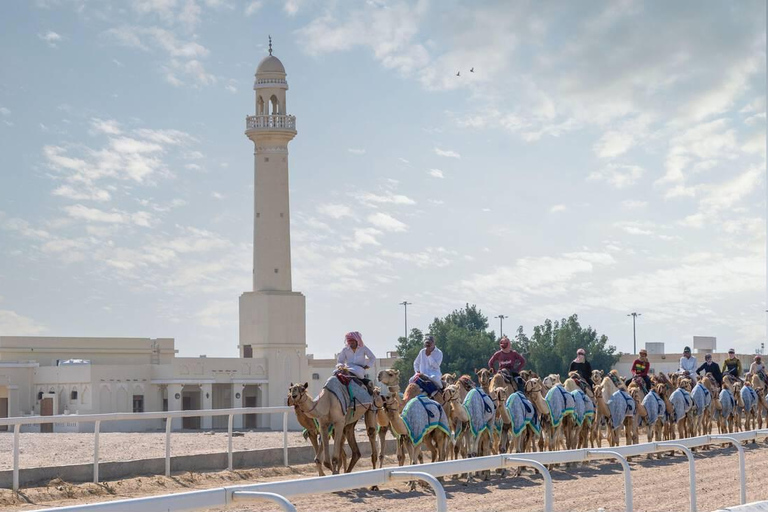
(472, 70)
(458, 73)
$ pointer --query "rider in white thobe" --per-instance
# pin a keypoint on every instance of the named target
(688, 364)
(429, 365)
(356, 356)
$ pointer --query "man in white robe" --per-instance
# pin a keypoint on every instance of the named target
(356, 356)
(428, 362)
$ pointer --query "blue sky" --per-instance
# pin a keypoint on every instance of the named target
(602, 158)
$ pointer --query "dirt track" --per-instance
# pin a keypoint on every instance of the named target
(659, 485)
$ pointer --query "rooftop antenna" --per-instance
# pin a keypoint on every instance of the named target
(270, 45)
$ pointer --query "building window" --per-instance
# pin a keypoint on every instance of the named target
(315, 376)
(247, 351)
(39, 395)
(73, 396)
(138, 403)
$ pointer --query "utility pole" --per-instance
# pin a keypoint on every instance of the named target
(634, 316)
(405, 305)
(501, 324)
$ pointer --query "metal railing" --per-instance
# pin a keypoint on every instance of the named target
(283, 490)
(279, 122)
(168, 416)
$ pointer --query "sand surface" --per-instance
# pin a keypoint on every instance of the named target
(658, 485)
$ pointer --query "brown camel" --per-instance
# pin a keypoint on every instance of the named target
(458, 419)
(533, 391)
(760, 385)
(312, 433)
(327, 410)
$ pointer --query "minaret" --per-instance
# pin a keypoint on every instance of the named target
(272, 316)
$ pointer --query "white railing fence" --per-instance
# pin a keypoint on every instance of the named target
(98, 419)
(281, 491)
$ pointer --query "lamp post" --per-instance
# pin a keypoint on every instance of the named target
(405, 305)
(501, 324)
(634, 316)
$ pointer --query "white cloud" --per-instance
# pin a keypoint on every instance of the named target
(632, 204)
(364, 236)
(216, 313)
(620, 176)
(85, 192)
(4, 111)
(253, 7)
(50, 37)
(386, 222)
(109, 126)
(446, 153)
(14, 324)
(370, 198)
(82, 212)
(558, 208)
(335, 211)
(436, 173)
(613, 144)
(356, 151)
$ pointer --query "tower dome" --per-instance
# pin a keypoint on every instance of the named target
(270, 64)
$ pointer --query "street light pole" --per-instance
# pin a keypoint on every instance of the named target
(405, 305)
(634, 316)
(501, 324)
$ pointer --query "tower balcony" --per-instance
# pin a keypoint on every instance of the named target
(270, 123)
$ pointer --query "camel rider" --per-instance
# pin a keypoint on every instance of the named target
(581, 365)
(732, 365)
(757, 365)
(356, 357)
(427, 363)
(688, 364)
(641, 367)
(509, 360)
(708, 366)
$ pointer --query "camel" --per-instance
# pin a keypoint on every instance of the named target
(327, 410)
(458, 419)
(597, 376)
(524, 423)
(683, 404)
(620, 406)
(760, 385)
(602, 414)
(448, 379)
(738, 411)
(482, 414)
(313, 432)
(750, 403)
(502, 422)
(533, 392)
(656, 412)
(702, 405)
(584, 406)
(725, 417)
(561, 406)
(637, 394)
(484, 379)
(708, 381)
(391, 378)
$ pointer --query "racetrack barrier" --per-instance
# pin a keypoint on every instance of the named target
(286, 489)
(98, 419)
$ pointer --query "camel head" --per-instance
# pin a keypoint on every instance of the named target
(499, 397)
(685, 384)
(389, 377)
(451, 393)
(728, 381)
(466, 381)
(392, 403)
(533, 386)
(551, 380)
(449, 378)
(597, 376)
(483, 376)
(378, 400)
(660, 389)
(296, 393)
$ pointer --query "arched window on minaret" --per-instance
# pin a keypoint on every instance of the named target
(260, 106)
(275, 105)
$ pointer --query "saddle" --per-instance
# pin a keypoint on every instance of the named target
(616, 381)
(580, 382)
(345, 378)
(507, 374)
(640, 382)
(466, 382)
(763, 376)
(425, 384)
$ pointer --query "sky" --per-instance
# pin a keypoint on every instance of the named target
(596, 158)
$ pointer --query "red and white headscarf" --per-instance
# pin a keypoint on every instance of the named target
(354, 335)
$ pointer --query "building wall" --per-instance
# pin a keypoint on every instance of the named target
(48, 350)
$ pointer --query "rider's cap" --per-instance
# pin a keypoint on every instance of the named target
(430, 338)
(731, 351)
(708, 356)
(758, 357)
(686, 349)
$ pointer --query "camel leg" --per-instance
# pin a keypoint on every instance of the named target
(349, 435)
(317, 446)
(382, 444)
(371, 431)
(325, 437)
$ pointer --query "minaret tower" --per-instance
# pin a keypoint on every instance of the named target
(272, 316)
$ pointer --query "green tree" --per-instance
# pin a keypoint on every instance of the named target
(553, 345)
(463, 338)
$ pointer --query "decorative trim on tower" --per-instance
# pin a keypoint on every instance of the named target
(272, 149)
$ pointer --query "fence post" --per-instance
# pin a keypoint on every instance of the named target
(627, 476)
(168, 422)
(548, 498)
(230, 418)
(96, 428)
(285, 438)
(16, 431)
(691, 470)
(742, 468)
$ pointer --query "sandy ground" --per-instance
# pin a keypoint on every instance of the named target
(37, 450)
(658, 485)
